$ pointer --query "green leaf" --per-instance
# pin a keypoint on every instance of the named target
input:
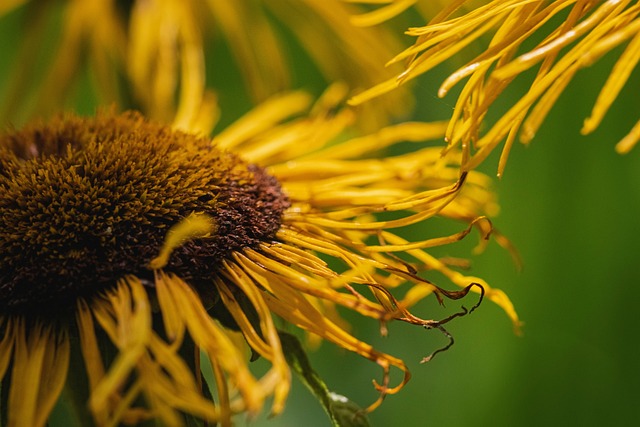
(341, 411)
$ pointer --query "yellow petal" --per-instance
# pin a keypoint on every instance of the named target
(40, 365)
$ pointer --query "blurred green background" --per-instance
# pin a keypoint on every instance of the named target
(571, 205)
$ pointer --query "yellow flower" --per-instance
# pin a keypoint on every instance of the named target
(129, 247)
(567, 36)
(150, 54)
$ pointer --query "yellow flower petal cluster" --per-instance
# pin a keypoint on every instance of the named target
(566, 35)
(332, 249)
(163, 55)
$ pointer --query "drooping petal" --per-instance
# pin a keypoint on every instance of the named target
(125, 317)
(6, 345)
(265, 340)
(40, 364)
(216, 344)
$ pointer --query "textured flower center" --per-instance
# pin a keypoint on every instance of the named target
(84, 202)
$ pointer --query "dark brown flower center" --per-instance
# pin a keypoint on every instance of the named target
(84, 202)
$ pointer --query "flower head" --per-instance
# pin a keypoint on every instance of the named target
(554, 38)
(133, 247)
(95, 198)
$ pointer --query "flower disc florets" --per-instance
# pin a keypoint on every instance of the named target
(85, 201)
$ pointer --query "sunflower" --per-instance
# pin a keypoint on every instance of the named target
(166, 57)
(555, 39)
(129, 248)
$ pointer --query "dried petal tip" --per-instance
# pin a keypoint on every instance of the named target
(86, 201)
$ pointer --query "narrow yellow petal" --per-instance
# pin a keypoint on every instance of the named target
(301, 313)
(262, 118)
(630, 140)
(496, 295)
(382, 14)
(216, 344)
(385, 137)
(54, 369)
(171, 317)
(223, 393)
(375, 91)
(91, 356)
(6, 345)
(128, 323)
(617, 78)
(269, 346)
(192, 69)
(26, 375)
(265, 72)
(526, 60)
(169, 384)
(193, 226)
(279, 275)
(152, 57)
(40, 364)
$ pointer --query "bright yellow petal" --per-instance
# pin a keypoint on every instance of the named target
(213, 340)
(40, 365)
(127, 321)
